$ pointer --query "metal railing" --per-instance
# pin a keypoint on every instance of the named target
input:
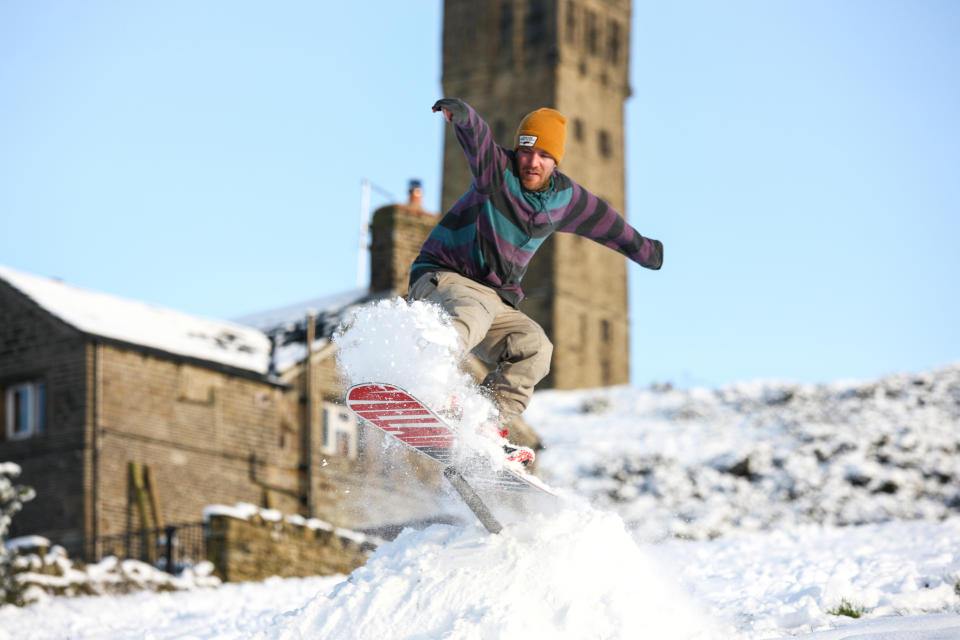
(171, 548)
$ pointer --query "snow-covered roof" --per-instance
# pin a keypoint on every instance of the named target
(292, 314)
(138, 323)
(287, 325)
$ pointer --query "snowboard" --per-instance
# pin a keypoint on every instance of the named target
(398, 413)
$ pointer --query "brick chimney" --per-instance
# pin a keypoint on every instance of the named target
(396, 233)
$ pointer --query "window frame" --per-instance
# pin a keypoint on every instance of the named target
(33, 413)
(340, 432)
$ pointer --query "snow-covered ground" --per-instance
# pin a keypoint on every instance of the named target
(755, 511)
(700, 464)
(572, 573)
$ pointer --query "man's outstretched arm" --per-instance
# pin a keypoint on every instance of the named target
(484, 156)
(589, 216)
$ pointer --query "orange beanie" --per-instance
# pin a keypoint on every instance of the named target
(545, 129)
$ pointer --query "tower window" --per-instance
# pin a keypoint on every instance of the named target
(571, 17)
(593, 33)
(506, 31)
(613, 42)
(578, 129)
(536, 23)
(500, 132)
(604, 144)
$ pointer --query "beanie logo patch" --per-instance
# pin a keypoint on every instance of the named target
(527, 141)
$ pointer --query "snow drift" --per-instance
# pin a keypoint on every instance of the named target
(539, 578)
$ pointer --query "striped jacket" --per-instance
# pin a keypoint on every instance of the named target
(493, 230)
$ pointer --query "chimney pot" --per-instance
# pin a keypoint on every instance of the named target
(415, 193)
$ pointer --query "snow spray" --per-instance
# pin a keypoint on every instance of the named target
(413, 345)
(570, 575)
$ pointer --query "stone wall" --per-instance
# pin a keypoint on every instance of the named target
(208, 436)
(37, 347)
(256, 548)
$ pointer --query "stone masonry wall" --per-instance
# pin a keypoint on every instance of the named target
(36, 347)
(255, 549)
(208, 437)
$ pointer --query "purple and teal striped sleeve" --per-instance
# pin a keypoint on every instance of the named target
(485, 157)
(590, 217)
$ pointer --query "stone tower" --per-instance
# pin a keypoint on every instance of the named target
(507, 58)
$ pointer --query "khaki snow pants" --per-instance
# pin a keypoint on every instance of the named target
(502, 337)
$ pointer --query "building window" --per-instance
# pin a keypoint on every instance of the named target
(26, 410)
(500, 133)
(578, 129)
(605, 334)
(603, 143)
(571, 28)
(613, 41)
(536, 23)
(506, 31)
(593, 33)
(339, 432)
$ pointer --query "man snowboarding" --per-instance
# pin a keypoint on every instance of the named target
(474, 259)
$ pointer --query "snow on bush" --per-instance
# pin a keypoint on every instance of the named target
(12, 498)
(47, 572)
(32, 570)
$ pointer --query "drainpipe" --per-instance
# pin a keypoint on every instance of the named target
(97, 400)
(306, 452)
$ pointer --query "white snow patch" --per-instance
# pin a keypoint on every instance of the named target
(27, 542)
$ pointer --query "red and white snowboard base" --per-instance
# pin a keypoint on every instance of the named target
(398, 413)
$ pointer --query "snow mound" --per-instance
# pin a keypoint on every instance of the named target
(573, 574)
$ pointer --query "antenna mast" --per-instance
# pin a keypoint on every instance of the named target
(363, 253)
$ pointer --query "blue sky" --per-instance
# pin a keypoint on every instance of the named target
(799, 160)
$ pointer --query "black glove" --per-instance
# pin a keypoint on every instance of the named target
(458, 110)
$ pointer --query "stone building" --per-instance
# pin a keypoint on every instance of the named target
(93, 387)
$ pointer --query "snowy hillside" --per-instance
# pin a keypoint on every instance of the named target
(701, 464)
(684, 514)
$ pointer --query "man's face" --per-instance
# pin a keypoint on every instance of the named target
(535, 167)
